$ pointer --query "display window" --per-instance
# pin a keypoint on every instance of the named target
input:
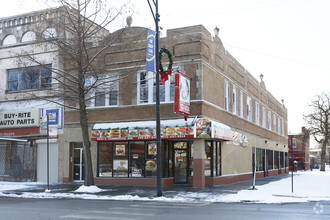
(212, 159)
(276, 160)
(120, 159)
(208, 158)
(136, 168)
(105, 159)
(151, 159)
(260, 164)
(269, 159)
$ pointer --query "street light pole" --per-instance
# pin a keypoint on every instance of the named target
(159, 152)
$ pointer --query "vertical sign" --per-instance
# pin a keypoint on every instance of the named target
(182, 95)
(150, 66)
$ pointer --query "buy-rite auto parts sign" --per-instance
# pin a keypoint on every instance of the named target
(19, 119)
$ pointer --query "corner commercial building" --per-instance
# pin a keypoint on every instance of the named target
(234, 122)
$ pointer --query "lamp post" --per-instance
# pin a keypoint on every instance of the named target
(159, 164)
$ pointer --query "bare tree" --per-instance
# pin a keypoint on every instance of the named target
(318, 123)
(80, 38)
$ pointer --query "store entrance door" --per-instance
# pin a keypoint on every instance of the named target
(180, 162)
(78, 164)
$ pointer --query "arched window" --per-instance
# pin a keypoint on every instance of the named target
(29, 36)
(10, 39)
(49, 33)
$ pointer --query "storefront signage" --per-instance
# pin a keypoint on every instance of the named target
(142, 134)
(203, 128)
(19, 119)
(136, 173)
(182, 95)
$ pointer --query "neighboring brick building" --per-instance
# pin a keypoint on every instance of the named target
(299, 149)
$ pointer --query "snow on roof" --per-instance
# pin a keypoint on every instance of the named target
(12, 139)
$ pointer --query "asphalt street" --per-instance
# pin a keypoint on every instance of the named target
(18, 208)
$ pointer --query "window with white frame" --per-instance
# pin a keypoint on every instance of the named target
(274, 123)
(279, 126)
(270, 120)
(104, 91)
(146, 88)
(226, 96)
(234, 101)
(264, 117)
(249, 108)
(257, 114)
(242, 104)
(282, 127)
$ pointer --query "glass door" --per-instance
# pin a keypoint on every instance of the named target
(180, 162)
(78, 164)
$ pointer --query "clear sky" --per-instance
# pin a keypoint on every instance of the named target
(285, 40)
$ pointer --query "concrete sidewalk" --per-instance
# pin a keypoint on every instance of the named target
(150, 192)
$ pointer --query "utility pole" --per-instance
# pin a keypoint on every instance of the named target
(159, 152)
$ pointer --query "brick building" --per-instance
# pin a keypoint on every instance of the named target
(299, 149)
(235, 113)
(234, 122)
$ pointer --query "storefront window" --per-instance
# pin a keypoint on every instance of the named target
(105, 159)
(218, 144)
(276, 160)
(269, 159)
(260, 154)
(208, 156)
(120, 159)
(151, 159)
(286, 159)
(191, 161)
(281, 159)
(136, 168)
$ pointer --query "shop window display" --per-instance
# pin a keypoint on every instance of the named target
(260, 154)
(120, 160)
(136, 168)
(105, 159)
(269, 159)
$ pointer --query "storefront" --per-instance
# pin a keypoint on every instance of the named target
(127, 152)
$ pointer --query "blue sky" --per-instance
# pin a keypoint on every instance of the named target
(285, 40)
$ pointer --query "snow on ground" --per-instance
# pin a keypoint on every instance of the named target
(308, 186)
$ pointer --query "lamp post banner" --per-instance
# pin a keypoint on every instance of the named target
(150, 65)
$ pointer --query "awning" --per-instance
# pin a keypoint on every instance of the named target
(170, 129)
(12, 139)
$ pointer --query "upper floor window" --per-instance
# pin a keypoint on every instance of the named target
(241, 104)
(282, 127)
(274, 123)
(104, 91)
(257, 114)
(270, 120)
(36, 77)
(279, 126)
(146, 88)
(234, 101)
(264, 117)
(226, 96)
(249, 109)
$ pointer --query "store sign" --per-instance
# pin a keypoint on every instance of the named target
(182, 95)
(142, 133)
(19, 119)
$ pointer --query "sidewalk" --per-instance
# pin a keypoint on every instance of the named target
(143, 192)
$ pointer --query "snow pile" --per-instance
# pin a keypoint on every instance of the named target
(88, 189)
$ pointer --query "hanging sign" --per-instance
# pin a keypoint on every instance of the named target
(150, 65)
(182, 95)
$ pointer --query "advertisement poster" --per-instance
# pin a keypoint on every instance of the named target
(120, 150)
(136, 173)
(120, 165)
(152, 149)
(151, 165)
(203, 128)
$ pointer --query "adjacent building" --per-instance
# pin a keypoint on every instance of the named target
(299, 149)
(235, 125)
